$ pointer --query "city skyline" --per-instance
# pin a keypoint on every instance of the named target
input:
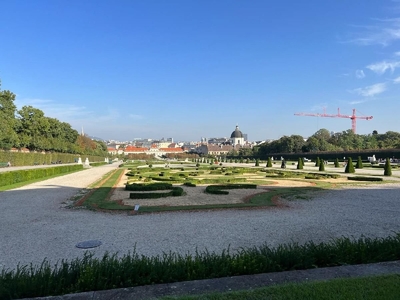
(192, 69)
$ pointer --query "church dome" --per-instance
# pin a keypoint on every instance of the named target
(237, 133)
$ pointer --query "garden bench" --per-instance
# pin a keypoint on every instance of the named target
(3, 164)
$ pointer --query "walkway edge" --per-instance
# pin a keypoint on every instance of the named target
(235, 283)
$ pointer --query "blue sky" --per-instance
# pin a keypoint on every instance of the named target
(188, 69)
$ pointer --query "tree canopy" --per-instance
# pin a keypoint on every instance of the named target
(30, 128)
(323, 140)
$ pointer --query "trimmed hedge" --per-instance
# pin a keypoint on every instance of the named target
(361, 178)
(219, 189)
(148, 187)
(31, 158)
(175, 192)
(98, 164)
(13, 177)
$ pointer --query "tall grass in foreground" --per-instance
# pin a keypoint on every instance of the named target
(113, 271)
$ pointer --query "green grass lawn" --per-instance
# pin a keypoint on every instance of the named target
(374, 288)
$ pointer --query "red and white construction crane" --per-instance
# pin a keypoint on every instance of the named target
(353, 117)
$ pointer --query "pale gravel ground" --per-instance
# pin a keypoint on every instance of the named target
(33, 224)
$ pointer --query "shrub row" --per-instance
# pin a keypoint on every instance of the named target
(98, 164)
(148, 187)
(219, 189)
(361, 178)
(334, 176)
(218, 180)
(114, 271)
(29, 159)
(13, 177)
(176, 191)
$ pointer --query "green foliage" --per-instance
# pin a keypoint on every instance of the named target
(320, 176)
(388, 168)
(32, 158)
(175, 192)
(148, 187)
(89, 273)
(13, 177)
(337, 165)
(349, 166)
(30, 128)
(97, 164)
(359, 164)
(363, 178)
(219, 189)
(321, 165)
(269, 162)
(8, 122)
(300, 164)
(317, 162)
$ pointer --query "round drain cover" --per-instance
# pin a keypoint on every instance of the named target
(88, 244)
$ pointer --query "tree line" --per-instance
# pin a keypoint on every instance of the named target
(30, 128)
(322, 141)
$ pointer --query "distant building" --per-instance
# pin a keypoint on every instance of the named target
(237, 137)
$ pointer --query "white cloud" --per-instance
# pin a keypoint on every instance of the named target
(396, 80)
(135, 117)
(384, 32)
(381, 67)
(357, 101)
(372, 90)
(52, 109)
(360, 74)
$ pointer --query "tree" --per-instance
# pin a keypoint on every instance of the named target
(359, 164)
(388, 168)
(349, 167)
(322, 134)
(8, 122)
(34, 129)
(257, 162)
(300, 164)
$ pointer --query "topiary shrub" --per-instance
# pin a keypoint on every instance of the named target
(257, 162)
(349, 167)
(321, 165)
(388, 168)
(269, 163)
(317, 162)
(337, 163)
(359, 164)
(300, 164)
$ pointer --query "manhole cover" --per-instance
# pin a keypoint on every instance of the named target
(88, 244)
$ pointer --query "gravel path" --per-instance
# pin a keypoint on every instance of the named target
(34, 225)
